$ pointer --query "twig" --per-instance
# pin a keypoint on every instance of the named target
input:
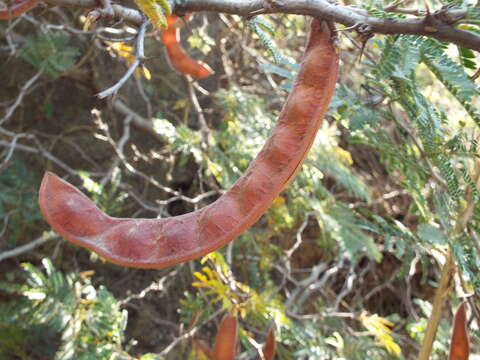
(320, 283)
(11, 149)
(298, 241)
(305, 283)
(20, 96)
(5, 221)
(141, 90)
(393, 5)
(139, 59)
(137, 120)
(120, 145)
(188, 334)
(27, 247)
(205, 130)
(149, 179)
(476, 75)
(42, 151)
(160, 285)
(347, 287)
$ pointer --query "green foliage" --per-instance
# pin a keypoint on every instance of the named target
(182, 140)
(442, 148)
(51, 53)
(376, 8)
(48, 304)
(451, 74)
(417, 329)
(343, 225)
(329, 341)
(467, 58)
(282, 66)
(405, 112)
(277, 70)
(399, 66)
(431, 152)
(329, 162)
(264, 29)
(108, 198)
(18, 200)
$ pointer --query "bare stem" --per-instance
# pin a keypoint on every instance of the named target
(441, 294)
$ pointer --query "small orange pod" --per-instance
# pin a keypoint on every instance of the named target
(459, 344)
(226, 341)
(177, 56)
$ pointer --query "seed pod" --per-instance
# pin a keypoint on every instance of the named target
(177, 56)
(155, 243)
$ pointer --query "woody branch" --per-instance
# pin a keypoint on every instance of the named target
(439, 24)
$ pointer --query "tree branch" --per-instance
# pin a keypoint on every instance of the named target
(437, 25)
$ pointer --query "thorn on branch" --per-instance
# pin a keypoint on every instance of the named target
(393, 5)
(395, 8)
(107, 9)
(428, 21)
(271, 5)
(104, 11)
(364, 29)
(476, 75)
(353, 27)
(254, 13)
(364, 39)
(450, 15)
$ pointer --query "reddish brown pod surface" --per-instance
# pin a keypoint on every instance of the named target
(459, 345)
(154, 243)
(178, 57)
(226, 341)
(268, 350)
(16, 8)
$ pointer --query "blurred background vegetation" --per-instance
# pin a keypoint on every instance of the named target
(345, 262)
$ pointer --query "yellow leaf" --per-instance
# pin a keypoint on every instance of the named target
(145, 72)
(343, 155)
(200, 276)
(128, 53)
(380, 328)
(199, 284)
(89, 20)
